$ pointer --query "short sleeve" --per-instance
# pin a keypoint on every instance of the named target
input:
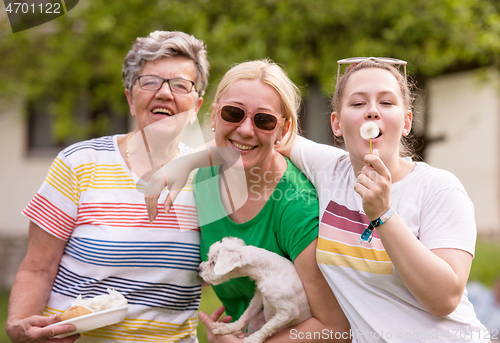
(54, 207)
(447, 217)
(313, 159)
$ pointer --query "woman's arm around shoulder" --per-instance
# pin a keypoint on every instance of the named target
(311, 158)
(175, 173)
(287, 150)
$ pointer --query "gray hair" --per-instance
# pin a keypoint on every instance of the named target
(160, 44)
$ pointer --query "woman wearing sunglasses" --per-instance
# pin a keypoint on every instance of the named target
(254, 193)
(404, 281)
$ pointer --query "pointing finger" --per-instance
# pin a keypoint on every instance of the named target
(205, 319)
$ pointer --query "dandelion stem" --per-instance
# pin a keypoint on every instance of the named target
(370, 146)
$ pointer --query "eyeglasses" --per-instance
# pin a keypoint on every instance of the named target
(154, 83)
(354, 60)
(266, 121)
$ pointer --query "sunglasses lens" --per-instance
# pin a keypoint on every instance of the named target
(232, 114)
(265, 121)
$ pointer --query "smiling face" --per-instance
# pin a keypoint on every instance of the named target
(372, 94)
(150, 107)
(257, 148)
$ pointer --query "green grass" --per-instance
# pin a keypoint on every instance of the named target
(486, 264)
(4, 298)
(485, 268)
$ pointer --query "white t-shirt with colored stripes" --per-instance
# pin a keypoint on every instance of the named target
(436, 208)
(93, 201)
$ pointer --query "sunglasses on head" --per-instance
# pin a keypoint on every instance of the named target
(355, 60)
(263, 120)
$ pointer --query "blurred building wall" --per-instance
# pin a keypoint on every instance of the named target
(466, 110)
(20, 177)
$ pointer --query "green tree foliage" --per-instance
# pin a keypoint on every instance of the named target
(79, 55)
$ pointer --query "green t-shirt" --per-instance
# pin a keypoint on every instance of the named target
(286, 225)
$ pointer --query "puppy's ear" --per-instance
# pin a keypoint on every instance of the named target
(227, 261)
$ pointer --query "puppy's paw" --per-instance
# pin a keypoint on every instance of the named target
(221, 329)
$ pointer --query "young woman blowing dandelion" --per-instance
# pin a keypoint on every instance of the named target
(406, 284)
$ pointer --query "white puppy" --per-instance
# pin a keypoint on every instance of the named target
(279, 288)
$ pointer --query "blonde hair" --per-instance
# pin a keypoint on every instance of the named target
(268, 72)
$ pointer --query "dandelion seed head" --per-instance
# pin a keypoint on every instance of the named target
(369, 130)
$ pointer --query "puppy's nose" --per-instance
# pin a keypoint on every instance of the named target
(198, 269)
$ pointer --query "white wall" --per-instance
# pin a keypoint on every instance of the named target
(467, 111)
(20, 175)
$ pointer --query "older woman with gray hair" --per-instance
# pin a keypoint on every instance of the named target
(89, 228)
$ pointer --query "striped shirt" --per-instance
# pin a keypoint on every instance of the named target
(93, 201)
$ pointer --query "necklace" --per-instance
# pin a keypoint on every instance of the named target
(127, 152)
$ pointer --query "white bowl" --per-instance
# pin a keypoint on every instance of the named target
(95, 320)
